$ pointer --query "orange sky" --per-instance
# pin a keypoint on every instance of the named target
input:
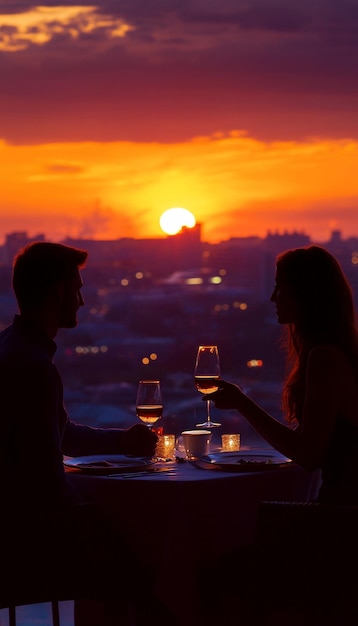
(111, 114)
(234, 185)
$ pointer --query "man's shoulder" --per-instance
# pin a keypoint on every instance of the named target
(19, 354)
(5, 333)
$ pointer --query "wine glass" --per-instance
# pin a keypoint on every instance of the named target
(206, 376)
(149, 405)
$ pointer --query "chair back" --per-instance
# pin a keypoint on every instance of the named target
(311, 552)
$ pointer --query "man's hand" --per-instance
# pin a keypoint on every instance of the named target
(139, 440)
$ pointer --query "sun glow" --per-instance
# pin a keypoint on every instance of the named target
(120, 189)
(173, 220)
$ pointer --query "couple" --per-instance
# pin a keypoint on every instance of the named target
(313, 301)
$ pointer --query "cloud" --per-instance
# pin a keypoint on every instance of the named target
(164, 70)
(64, 168)
(155, 28)
(40, 25)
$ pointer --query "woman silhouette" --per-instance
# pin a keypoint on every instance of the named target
(320, 395)
(304, 550)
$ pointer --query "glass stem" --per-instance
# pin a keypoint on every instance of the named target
(208, 409)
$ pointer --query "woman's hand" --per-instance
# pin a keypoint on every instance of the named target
(228, 396)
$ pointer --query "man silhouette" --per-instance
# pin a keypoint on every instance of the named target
(36, 431)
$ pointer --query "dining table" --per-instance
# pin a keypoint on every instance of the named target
(180, 516)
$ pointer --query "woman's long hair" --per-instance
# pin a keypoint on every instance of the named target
(324, 315)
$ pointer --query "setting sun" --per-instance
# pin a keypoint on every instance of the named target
(173, 220)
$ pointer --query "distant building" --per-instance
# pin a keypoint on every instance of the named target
(159, 255)
(14, 242)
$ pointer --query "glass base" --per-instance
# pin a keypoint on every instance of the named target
(208, 425)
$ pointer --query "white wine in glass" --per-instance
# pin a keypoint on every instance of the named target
(206, 376)
(149, 405)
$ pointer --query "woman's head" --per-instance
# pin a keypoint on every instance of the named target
(314, 295)
(314, 299)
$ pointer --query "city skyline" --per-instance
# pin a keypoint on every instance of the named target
(243, 113)
(187, 236)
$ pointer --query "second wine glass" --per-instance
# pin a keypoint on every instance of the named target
(149, 405)
(206, 376)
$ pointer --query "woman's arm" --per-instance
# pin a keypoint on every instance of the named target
(277, 434)
(306, 444)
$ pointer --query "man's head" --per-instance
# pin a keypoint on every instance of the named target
(46, 276)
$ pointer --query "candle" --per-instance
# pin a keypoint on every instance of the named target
(165, 446)
(230, 443)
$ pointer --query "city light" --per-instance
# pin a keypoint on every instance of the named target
(254, 363)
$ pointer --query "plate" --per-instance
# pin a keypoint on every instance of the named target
(108, 463)
(255, 460)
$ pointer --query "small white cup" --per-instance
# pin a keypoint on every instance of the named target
(196, 443)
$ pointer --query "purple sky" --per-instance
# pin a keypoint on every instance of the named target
(283, 69)
(241, 111)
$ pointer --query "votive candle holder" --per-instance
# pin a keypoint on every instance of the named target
(230, 443)
(165, 446)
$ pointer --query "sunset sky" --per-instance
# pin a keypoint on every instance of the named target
(244, 112)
